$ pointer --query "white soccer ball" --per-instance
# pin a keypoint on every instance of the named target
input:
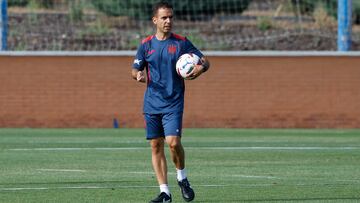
(186, 64)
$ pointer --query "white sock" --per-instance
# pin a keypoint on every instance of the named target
(181, 174)
(165, 188)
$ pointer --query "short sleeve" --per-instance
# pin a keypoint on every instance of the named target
(139, 61)
(190, 48)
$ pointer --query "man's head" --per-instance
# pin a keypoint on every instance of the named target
(162, 16)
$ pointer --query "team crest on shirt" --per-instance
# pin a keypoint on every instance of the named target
(172, 49)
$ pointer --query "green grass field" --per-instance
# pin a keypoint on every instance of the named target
(224, 165)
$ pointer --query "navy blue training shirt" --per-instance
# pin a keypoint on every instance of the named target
(165, 88)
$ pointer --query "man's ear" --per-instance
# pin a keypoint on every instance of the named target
(154, 19)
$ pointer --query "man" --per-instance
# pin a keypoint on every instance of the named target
(164, 97)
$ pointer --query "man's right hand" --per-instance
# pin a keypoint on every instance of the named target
(140, 77)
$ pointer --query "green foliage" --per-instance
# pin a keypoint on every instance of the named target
(20, 3)
(195, 38)
(186, 9)
(356, 7)
(99, 28)
(39, 3)
(76, 10)
(200, 10)
(45, 3)
(121, 7)
(264, 23)
(309, 6)
(33, 4)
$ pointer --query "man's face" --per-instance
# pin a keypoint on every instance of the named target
(163, 20)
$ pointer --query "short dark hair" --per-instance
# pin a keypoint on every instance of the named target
(161, 4)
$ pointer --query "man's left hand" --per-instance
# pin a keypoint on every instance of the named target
(196, 72)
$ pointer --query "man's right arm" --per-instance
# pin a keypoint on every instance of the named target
(137, 71)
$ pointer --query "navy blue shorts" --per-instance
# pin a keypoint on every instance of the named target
(161, 125)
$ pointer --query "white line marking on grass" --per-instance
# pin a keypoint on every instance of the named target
(191, 148)
(250, 176)
(79, 149)
(60, 170)
(139, 172)
(95, 187)
(148, 172)
(20, 188)
(276, 148)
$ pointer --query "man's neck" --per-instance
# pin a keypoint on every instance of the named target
(162, 36)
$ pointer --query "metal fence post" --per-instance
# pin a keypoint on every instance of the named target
(3, 25)
(344, 25)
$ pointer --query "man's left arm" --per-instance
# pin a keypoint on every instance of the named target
(200, 69)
